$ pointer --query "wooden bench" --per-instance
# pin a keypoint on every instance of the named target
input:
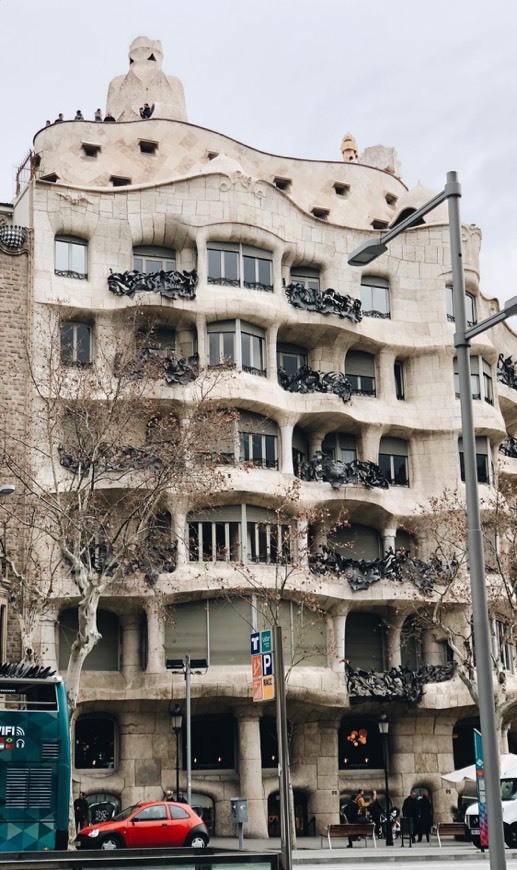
(365, 830)
(448, 829)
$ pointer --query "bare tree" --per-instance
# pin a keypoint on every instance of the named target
(104, 452)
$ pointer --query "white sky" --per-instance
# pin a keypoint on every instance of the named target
(437, 80)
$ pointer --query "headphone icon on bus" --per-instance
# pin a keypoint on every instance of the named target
(20, 744)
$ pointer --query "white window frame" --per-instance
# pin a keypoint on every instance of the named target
(373, 287)
(310, 278)
(257, 533)
(368, 359)
(470, 306)
(481, 381)
(239, 328)
(483, 448)
(149, 255)
(242, 252)
(75, 326)
(68, 251)
(394, 457)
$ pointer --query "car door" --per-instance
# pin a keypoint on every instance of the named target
(180, 825)
(149, 827)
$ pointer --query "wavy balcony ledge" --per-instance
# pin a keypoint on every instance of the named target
(398, 567)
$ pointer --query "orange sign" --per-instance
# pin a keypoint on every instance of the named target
(258, 689)
(256, 666)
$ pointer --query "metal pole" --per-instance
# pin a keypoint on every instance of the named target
(177, 732)
(389, 829)
(283, 750)
(481, 626)
(188, 730)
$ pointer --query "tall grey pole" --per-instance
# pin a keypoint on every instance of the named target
(283, 750)
(481, 626)
(188, 730)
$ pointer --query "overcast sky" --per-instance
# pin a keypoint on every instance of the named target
(437, 80)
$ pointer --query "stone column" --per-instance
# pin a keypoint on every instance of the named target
(337, 655)
(202, 346)
(131, 639)
(388, 538)
(278, 252)
(271, 366)
(250, 769)
(321, 748)
(394, 656)
(286, 448)
(386, 386)
(48, 629)
(155, 639)
(202, 256)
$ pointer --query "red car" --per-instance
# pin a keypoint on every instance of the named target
(148, 823)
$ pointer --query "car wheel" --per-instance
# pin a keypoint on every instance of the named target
(477, 841)
(510, 836)
(111, 842)
(198, 841)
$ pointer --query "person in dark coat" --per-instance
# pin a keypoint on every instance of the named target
(410, 811)
(425, 816)
(350, 813)
(81, 811)
(375, 812)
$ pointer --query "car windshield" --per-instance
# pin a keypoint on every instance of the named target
(124, 814)
(508, 789)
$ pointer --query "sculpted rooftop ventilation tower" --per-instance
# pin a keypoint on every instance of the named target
(146, 83)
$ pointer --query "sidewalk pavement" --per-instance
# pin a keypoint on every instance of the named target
(314, 850)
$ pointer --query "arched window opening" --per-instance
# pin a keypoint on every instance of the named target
(236, 265)
(105, 654)
(217, 753)
(393, 460)
(483, 459)
(470, 306)
(95, 742)
(360, 744)
(291, 357)
(375, 296)
(71, 257)
(463, 742)
(340, 445)
(357, 542)
(360, 371)
(411, 644)
(149, 259)
(258, 440)
(237, 343)
(365, 641)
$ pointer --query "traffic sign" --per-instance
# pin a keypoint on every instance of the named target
(262, 665)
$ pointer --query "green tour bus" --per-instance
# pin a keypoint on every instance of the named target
(34, 759)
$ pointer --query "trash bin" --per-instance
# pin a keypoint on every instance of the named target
(239, 809)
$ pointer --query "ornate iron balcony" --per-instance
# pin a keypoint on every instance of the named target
(307, 380)
(397, 566)
(328, 302)
(506, 371)
(397, 684)
(172, 285)
(336, 472)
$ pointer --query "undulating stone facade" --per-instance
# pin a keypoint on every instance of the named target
(268, 237)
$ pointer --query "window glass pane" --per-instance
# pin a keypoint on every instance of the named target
(214, 339)
(138, 264)
(246, 349)
(482, 467)
(256, 447)
(94, 743)
(310, 637)
(250, 269)
(186, 631)
(207, 545)
(229, 347)
(214, 264)
(474, 385)
(152, 265)
(230, 626)
(385, 466)
(83, 337)
(67, 342)
(367, 298)
(193, 541)
(380, 299)
(78, 258)
(400, 471)
(264, 271)
(270, 450)
(231, 265)
(245, 446)
(364, 641)
(62, 256)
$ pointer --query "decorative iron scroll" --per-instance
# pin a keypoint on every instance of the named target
(172, 285)
(307, 380)
(328, 302)
(110, 458)
(397, 684)
(398, 566)
(70, 273)
(153, 363)
(506, 372)
(336, 472)
(13, 237)
(509, 447)
(383, 315)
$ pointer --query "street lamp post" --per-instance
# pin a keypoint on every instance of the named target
(363, 255)
(384, 726)
(177, 722)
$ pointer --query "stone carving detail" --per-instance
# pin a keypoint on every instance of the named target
(509, 447)
(397, 684)
(336, 472)
(12, 238)
(239, 178)
(172, 285)
(506, 372)
(328, 302)
(307, 380)
(397, 566)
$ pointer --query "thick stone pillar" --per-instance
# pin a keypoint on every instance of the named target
(131, 639)
(202, 257)
(48, 628)
(286, 447)
(271, 340)
(202, 345)
(394, 658)
(250, 769)
(155, 639)
(337, 643)
(320, 740)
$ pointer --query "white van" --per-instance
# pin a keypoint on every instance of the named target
(509, 801)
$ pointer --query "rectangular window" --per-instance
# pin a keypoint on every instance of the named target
(394, 468)
(310, 278)
(480, 379)
(214, 541)
(90, 150)
(398, 371)
(470, 307)
(71, 257)
(483, 465)
(375, 297)
(76, 343)
(240, 265)
(503, 642)
(259, 449)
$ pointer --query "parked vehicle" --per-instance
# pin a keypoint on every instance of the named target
(147, 824)
(509, 802)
